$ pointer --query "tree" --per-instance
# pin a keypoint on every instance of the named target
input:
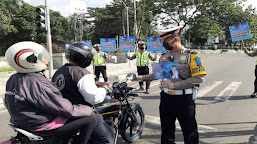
(60, 30)
(107, 22)
(8, 8)
(179, 12)
(202, 29)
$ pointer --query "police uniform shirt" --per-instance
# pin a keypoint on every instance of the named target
(183, 59)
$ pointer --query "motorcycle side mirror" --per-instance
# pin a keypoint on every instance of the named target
(130, 76)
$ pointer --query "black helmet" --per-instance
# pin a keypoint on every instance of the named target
(80, 53)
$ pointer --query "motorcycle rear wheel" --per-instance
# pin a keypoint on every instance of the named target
(131, 132)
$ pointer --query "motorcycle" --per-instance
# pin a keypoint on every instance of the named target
(123, 117)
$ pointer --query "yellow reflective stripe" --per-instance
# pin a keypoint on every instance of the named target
(110, 112)
(142, 59)
(99, 60)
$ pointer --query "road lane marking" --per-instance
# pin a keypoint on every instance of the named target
(228, 91)
(156, 120)
(152, 84)
(205, 90)
(157, 91)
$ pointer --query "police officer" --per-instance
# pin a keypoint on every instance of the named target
(177, 94)
(99, 63)
(252, 54)
(143, 61)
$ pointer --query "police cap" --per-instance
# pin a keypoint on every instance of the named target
(168, 32)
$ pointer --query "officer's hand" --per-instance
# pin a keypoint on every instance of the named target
(105, 56)
(136, 78)
(125, 54)
(167, 83)
(155, 57)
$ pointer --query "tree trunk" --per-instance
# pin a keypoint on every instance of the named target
(123, 24)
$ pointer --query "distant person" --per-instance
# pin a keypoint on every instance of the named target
(99, 63)
(143, 61)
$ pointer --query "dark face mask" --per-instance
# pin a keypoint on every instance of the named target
(141, 48)
(167, 46)
(97, 49)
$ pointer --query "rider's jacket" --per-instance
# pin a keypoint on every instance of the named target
(33, 102)
(78, 85)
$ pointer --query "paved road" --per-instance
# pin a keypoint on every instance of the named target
(225, 113)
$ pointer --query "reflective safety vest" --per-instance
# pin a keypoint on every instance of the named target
(142, 59)
(99, 60)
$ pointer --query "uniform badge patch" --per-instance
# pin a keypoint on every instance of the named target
(196, 65)
(182, 58)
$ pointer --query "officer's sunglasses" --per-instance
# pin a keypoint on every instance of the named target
(163, 40)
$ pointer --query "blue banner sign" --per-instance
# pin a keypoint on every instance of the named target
(108, 44)
(154, 44)
(127, 43)
(239, 32)
(87, 42)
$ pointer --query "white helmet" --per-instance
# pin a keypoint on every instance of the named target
(27, 56)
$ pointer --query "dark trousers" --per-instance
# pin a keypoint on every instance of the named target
(255, 82)
(102, 133)
(91, 125)
(101, 69)
(181, 107)
(143, 70)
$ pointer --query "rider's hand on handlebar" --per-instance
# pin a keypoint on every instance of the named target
(102, 84)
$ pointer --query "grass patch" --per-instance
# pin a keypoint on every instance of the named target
(6, 69)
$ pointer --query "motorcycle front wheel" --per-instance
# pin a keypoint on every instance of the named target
(131, 131)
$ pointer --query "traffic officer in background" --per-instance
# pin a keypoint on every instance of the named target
(177, 95)
(252, 54)
(143, 62)
(99, 63)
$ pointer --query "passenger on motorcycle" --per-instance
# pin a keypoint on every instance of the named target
(78, 85)
(35, 104)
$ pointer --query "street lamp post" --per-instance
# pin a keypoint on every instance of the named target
(80, 16)
(127, 18)
(49, 39)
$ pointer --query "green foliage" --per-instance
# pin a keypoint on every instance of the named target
(205, 19)
(6, 69)
(203, 28)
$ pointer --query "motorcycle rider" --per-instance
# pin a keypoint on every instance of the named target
(78, 85)
(35, 104)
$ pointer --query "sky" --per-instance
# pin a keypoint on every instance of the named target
(67, 7)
